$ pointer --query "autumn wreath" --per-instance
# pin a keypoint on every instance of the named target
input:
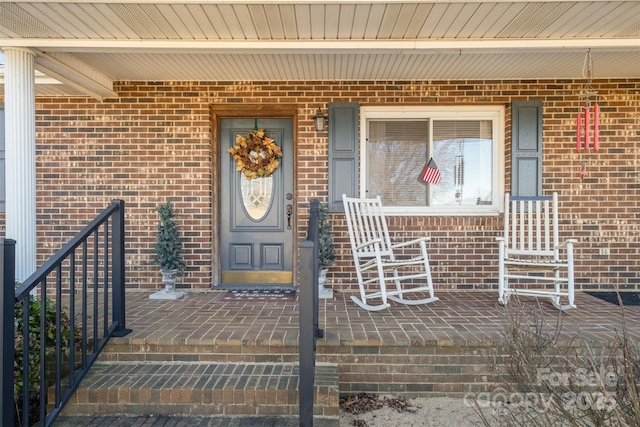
(256, 154)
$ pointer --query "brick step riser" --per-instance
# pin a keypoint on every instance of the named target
(199, 353)
(201, 388)
(430, 370)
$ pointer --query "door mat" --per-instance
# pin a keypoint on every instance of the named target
(268, 291)
(272, 294)
(628, 298)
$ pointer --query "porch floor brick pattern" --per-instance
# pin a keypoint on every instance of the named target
(206, 353)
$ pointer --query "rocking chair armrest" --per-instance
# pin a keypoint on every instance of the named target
(411, 242)
(566, 243)
(368, 243)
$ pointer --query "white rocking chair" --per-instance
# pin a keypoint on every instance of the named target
(530, 244)
(375, 260)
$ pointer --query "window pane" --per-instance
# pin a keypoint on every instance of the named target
(462, 150)
(396, 156)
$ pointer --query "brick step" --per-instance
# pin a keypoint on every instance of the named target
(200, 388)
(121, 350)
(411, 369)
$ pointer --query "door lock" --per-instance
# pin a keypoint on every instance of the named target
(289, 213)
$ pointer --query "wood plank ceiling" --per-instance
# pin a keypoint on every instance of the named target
(89, 44)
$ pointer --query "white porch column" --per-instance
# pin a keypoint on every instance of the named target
(20, 157)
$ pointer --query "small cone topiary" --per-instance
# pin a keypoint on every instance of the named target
(326, 250)
(168, 247)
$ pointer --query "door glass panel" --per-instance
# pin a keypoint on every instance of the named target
(256, 196)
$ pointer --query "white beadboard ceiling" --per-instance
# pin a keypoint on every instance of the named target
(87, 45)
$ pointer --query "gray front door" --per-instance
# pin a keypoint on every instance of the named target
(256, 236)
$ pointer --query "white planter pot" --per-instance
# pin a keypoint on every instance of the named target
(169, 278)
(323, 293)
(169, 292)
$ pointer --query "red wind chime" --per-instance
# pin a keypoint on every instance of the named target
(579, 130)
(587, 102)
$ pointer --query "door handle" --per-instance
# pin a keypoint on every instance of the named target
(289, 213)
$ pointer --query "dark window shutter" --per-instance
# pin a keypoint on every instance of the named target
(526, 148)
(2, 173)
(343, 152)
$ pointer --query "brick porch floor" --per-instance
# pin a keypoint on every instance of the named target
(459, 318)
(428, 350)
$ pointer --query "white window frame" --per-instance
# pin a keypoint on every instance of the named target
(3, 148)
(495, 113)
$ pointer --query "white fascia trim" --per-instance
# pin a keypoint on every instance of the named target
(323, 46)
(277, 2)
(41, 79)
(69, 70)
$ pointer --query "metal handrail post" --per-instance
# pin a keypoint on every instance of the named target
(313, 234)
(307, 341)
(119, 284)
(7, 329)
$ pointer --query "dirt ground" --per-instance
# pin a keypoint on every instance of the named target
(388, 411)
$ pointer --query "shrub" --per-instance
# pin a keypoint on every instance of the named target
(326, 248)
(577, 386)
(34, 354)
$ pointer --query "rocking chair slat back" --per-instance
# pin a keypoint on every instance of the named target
(369, 227)
(531, 243)
(375, 262)
(534, 229)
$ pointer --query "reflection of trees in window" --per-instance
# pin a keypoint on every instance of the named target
(463, 151)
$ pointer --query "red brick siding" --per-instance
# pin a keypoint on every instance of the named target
(153, 143)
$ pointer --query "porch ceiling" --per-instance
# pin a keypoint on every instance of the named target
(89, 44)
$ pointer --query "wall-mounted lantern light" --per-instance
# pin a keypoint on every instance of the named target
(320, 121)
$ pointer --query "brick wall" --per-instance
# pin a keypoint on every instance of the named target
(154, 143)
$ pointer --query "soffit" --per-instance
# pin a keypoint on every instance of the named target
(323, 40)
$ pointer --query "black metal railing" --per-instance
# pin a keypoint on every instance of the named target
(309, 330)
(69, 307)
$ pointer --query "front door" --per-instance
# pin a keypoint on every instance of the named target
(256, 236)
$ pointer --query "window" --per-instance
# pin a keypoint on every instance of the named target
(466, 144)
(2, 179)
